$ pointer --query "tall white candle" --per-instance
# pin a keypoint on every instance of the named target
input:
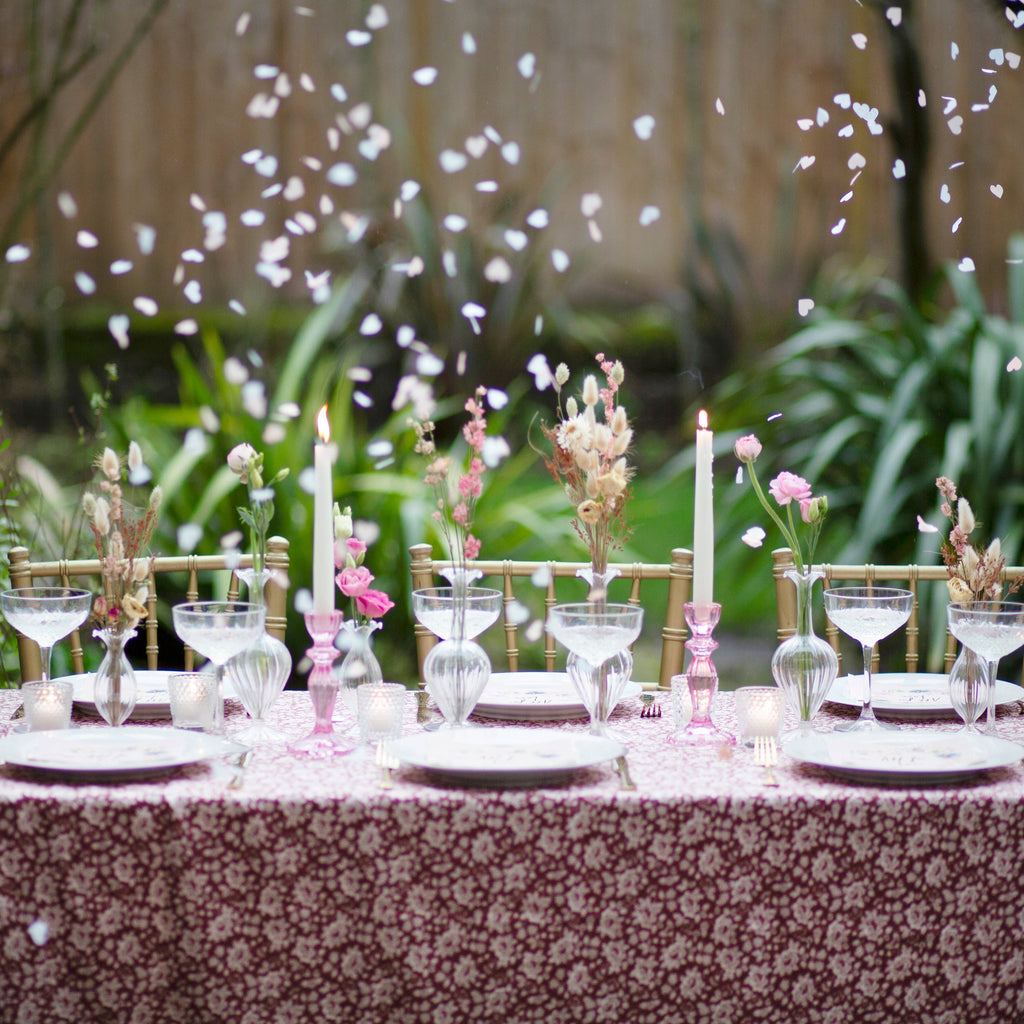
(323, 519)
(703, 517)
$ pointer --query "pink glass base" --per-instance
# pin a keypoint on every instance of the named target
(323, 741)
(702, 678)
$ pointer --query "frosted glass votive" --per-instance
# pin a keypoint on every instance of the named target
(193, 697)
(47, 704)
(682, 702)
(759, 712)
(380, 708)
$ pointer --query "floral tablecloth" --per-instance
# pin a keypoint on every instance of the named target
(310, 894)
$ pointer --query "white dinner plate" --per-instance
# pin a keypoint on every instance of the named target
(912, 757)
(535, 697)
(151, 703)
(910, 694)
(128, 753)
(514, 756)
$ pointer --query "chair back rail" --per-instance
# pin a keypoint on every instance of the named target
(25, 573)
(678, 572)
(905, 576)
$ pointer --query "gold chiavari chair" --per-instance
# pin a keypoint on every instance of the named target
(678, 571)
(86, 574)
(906, 576)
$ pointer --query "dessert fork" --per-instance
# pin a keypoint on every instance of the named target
(766, 754)
(649, 709)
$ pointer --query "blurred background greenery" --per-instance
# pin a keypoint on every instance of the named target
(897, 374)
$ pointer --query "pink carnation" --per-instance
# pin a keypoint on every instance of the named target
(788, 486)
(354, 582)
(373, 604)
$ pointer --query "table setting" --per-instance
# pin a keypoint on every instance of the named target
(537, 846)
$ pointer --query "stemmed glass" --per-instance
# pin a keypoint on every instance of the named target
(595, 633)
(992, 629)
(46, 615)
(219, 630)
(868, 614)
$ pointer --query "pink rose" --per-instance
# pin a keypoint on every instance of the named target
(239, 459)
(356, 548)
(788, 486)
(373, 604)
(354, 582)
(747, 448)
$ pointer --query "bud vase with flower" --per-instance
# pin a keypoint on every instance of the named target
(589, 443)
(457, 669)
(121, 532)
(804, 666)
(260, 672)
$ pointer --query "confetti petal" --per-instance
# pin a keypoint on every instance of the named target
(644, 127)
(18, 254)
(67, 205)
(118, 327)
(996, 190)
(925, 527)
(498, 270)
(517, 240)
(804, 306)
(956, 124)
(452, 161)
(538, 219)
(648, 215)
(895, 15)
(376, 17)
(510, 153)
(371, 325)
(425, 76)
(1014, 364)
(754, 537)
(590, 203)
(560, 260)
(476, 146)
(719, 105)
(343, 175)
(966, 265)
(899, 169)
(859, 40)
(527, 65)
(87, 240)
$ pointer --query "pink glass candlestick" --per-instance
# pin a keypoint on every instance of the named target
(323, 741)
(702, 677)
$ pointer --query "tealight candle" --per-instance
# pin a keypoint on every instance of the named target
(47, 704)
(380, 707)
(193, 698)
(758, 712)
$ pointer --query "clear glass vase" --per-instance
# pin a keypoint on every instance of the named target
(358, 665)
(601, 687)
(969, 688)
(259, 673)
(804, 666)
(114, 689)
(457, 669)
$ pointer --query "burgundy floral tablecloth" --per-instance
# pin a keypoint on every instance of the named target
(312, 895)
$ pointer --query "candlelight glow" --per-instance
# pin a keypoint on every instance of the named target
(702, 420)
(323, 426)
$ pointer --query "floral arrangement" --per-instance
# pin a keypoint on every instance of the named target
(353, 577)
(247, 464)
(455, 510)
(785, 489)
(588, 458)
(121, 533)
(974, 571)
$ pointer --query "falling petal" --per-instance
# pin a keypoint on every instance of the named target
(644, 127)
(376, 17)
(468, 43)
(266, 166)
(996, 190)
(719, 105)
(856, 161)
(560, 260)
(429, 365)
(966, 265)
(236, 307)
(343, 175)
(306, 82)
(538, 219)
(416, 267)
(541, 370)
(590, 203)
(265, 71)
(804, 306)
(425, 76)
(339, 93)
(455, 223)
(805, 124)
(594, 230)
(476, 146)
(517, 240)
(837, 228)
(498, 270)
(754, 537)
(145, 237)
(899, 169)
(86, 285)
(235, 371)
(954, 51)
(527, 64)
(956, 124)
(449, 262)
(859, 40)
(145, 305)
(452, 161)
(186, 327)
(926, 527)
(486, 186)
(189, 535)
(118, 327)
(18, 253)
(510, 153)
(356, 37)
(193, 292)
(1014, 364)
(87, 240)
(495, 449)
(254, 398)
(252, 218)
(371, 325)
(944, 193)
(956, 225)
(67, 205)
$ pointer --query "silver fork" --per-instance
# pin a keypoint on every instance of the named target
(649, 709)
(766, 755)
(386, 762)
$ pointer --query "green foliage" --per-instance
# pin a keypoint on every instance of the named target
(877, 398)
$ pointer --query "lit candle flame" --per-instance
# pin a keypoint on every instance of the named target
(323, 425)
(702, 420)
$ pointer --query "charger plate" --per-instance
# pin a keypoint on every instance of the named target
(913, 757)
(126, 754)
(535, 697)
(508, 757)
(910, 695)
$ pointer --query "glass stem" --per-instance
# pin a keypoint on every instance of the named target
(44, 662)
(990, 697)
(867, 712)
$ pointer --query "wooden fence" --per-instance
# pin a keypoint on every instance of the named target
(725, 82)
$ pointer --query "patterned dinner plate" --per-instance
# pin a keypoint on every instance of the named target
(910, 694)
(513, 756)
(535, 697)
(913, 757)
(151, 703)
(128, 753)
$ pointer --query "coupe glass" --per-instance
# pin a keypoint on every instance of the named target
(596, 633)
(434, 607)
(219, 630)
(46, 615)
(992, 629)
(868, 614)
